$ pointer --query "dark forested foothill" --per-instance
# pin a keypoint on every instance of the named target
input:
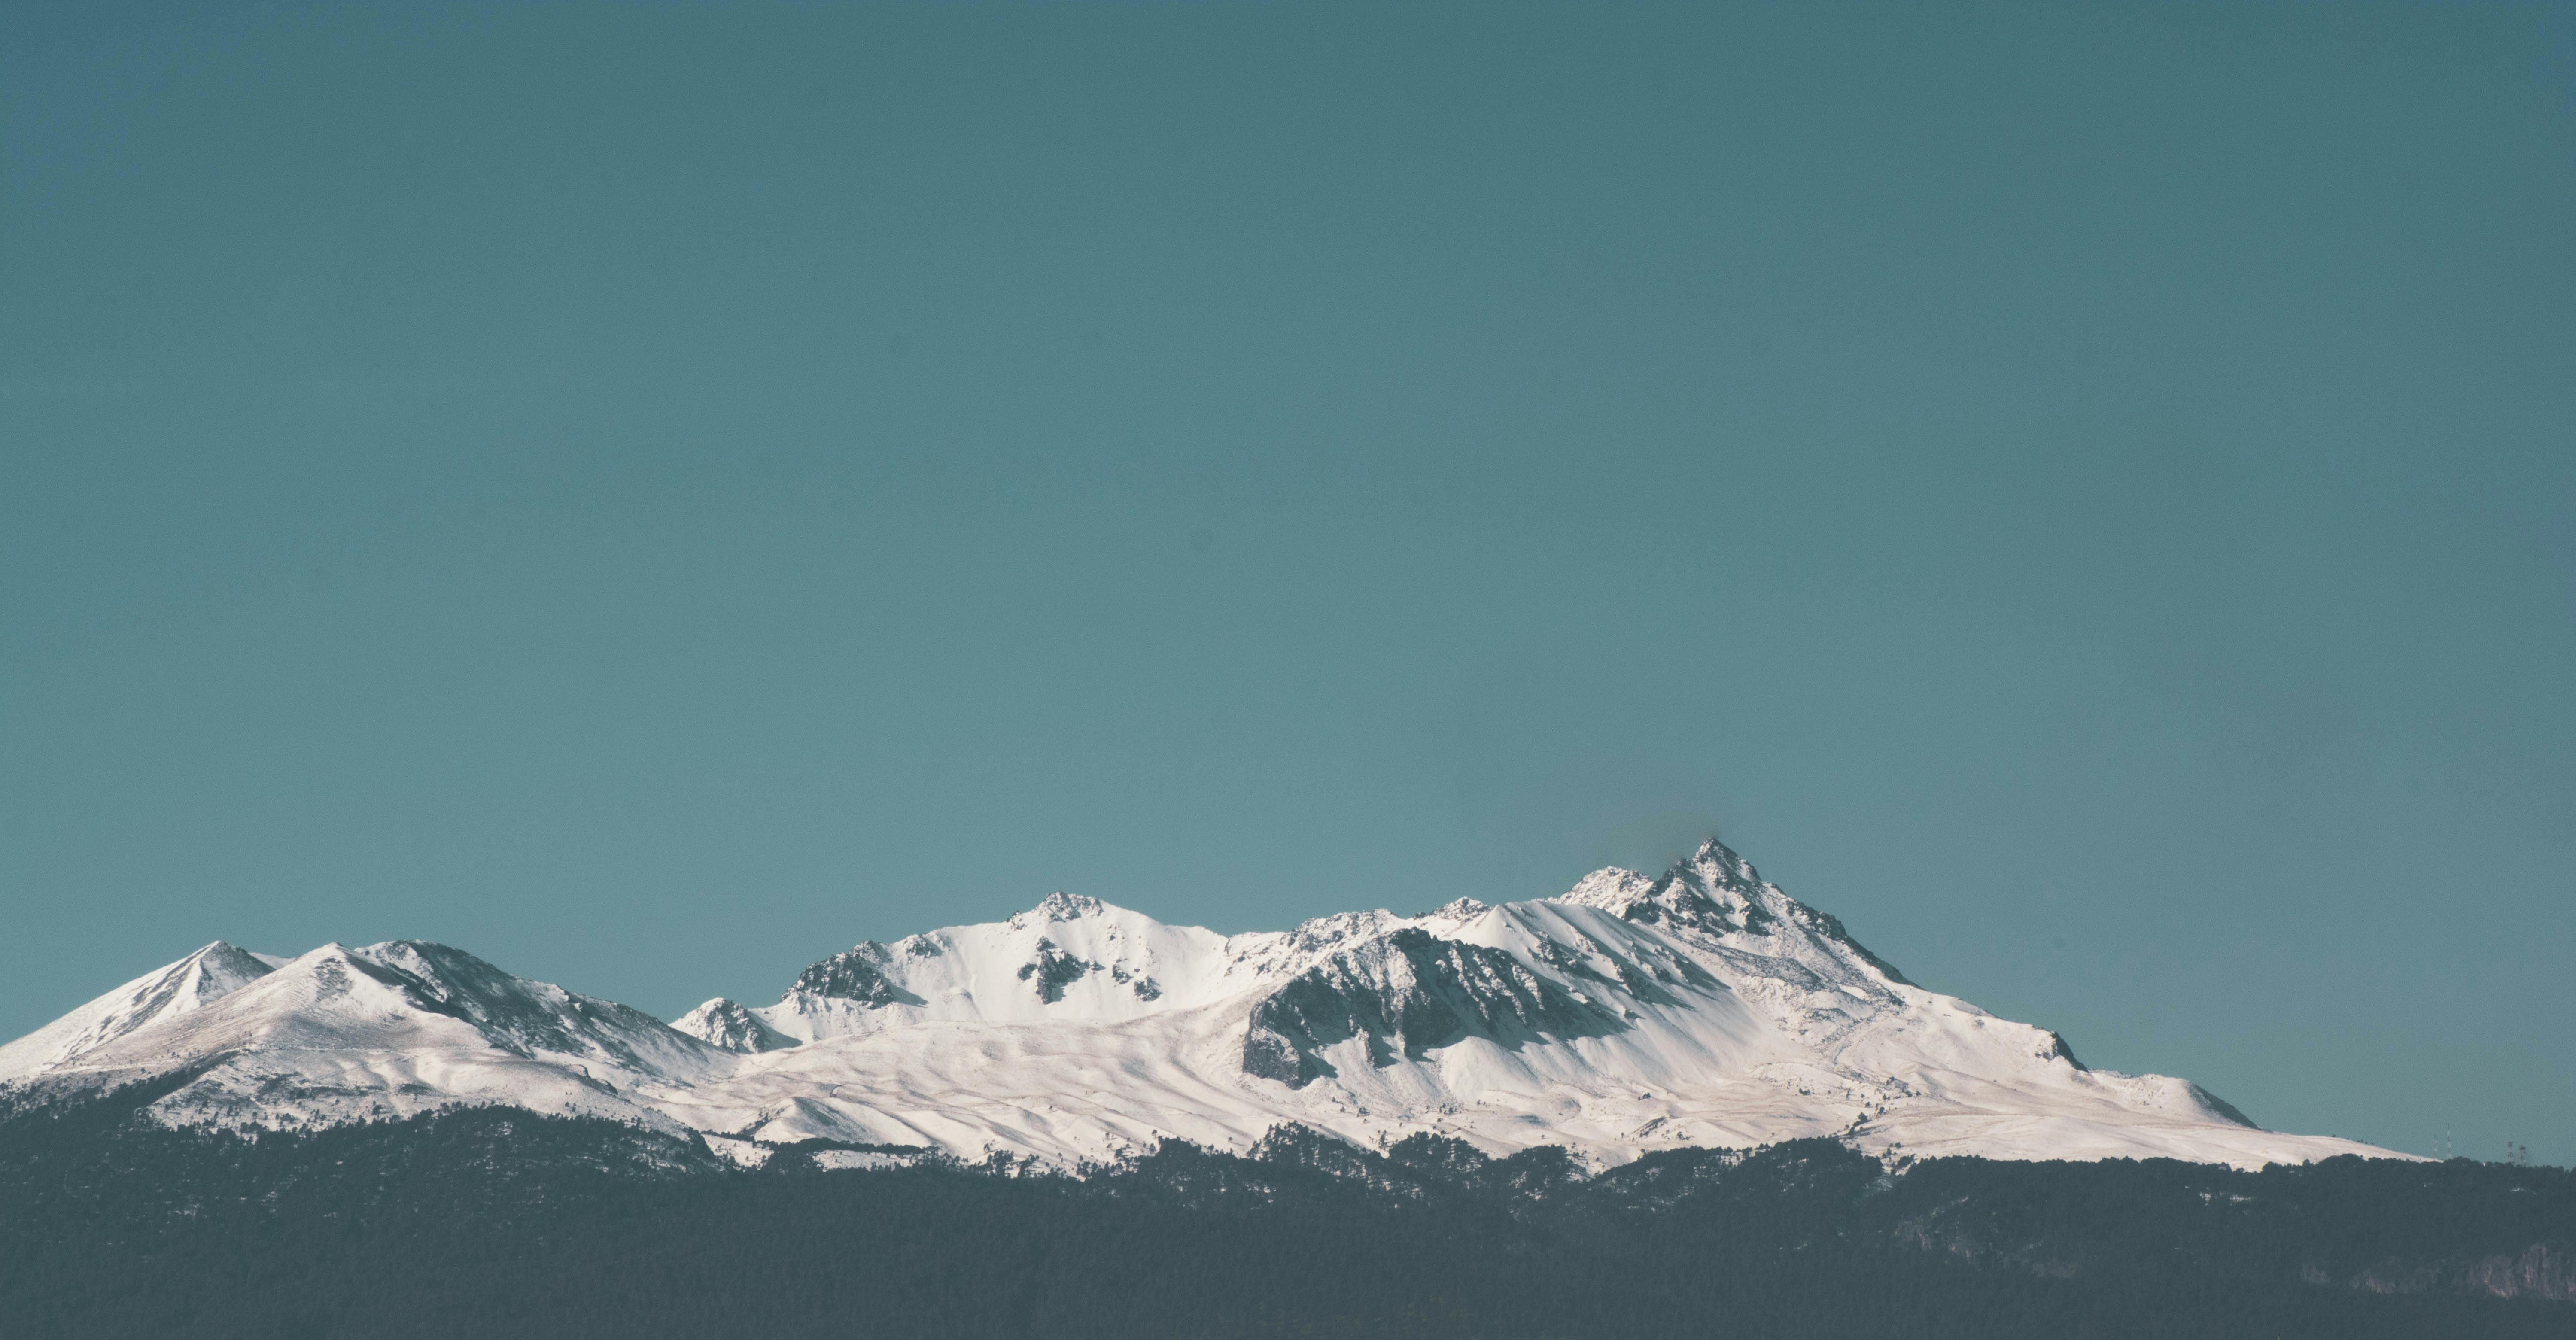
(500, 1224)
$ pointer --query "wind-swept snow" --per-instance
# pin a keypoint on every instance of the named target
(1704, 1007)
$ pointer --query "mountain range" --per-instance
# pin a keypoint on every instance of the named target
(1699, 1008)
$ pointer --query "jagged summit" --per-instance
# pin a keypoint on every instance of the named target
(1700, 1006)
(1714, 894)
(731, 1025)
(1062, 906)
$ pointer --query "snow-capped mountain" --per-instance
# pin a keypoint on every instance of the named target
(1704, 1007)
(181, 988)
(344, 1034)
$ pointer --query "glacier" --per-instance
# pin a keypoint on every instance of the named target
(1702, 1007)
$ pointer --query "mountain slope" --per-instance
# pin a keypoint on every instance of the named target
(183, 987)
(343, 1034)
(1703, 1007)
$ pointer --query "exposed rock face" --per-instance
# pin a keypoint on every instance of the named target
(1052, 970)
(1406, 995)
(855, 974)
(732, 1026)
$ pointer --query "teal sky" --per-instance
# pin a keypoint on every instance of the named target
(653, 494)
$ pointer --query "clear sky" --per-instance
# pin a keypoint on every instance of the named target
(653, 494)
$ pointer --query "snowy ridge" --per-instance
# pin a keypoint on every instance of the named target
(1701, 1007)
(386, 1030)
(185, 986)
